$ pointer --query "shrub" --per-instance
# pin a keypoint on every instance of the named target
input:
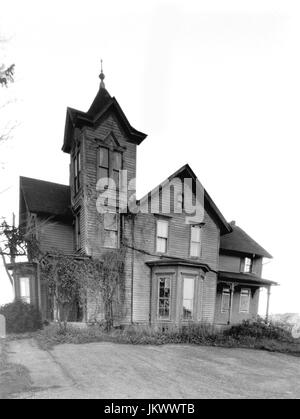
(258, 329)
(21, 317)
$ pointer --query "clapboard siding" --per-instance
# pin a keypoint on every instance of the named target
(56, 235)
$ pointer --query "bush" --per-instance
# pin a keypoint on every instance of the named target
(258, 329)
(21, 317)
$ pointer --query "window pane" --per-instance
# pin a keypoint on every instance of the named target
(162, 228)
(103, 173)
(117, 160)
(78, 162)
(25, 289)
(195, 249)
(111, 239)
(116, 179)
(110, 221)
(248, 265)
(161, 245)
(164, 298)
(188, 297)
(103, 157)
(195, 234)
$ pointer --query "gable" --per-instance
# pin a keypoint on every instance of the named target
(210, 207)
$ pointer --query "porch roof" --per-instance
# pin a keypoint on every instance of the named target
(244, 278)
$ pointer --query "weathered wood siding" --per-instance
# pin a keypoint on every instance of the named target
(55, 235)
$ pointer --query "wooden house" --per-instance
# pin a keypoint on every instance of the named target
(177, 270)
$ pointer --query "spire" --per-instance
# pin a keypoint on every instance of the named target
(102, 77)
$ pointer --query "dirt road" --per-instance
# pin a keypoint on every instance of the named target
(106, 370)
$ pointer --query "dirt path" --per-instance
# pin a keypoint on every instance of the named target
(106, 370)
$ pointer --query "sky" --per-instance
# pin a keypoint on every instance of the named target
(214, 84)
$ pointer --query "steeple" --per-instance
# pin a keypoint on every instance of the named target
(102, 77)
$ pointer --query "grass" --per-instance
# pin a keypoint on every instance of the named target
(14, 378)
(204, 335)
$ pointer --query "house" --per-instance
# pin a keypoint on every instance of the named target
(184, 262)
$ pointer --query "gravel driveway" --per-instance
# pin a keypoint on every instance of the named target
(106, 370)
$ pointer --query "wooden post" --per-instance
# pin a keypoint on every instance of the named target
(232, 286)
(268, 303)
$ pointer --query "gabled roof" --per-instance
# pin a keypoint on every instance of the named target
(244, 278)
(239, 241)
(186, 172)
(101, 106)
(43, 197)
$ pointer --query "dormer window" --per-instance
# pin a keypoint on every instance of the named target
(248, 262)
(77, 170)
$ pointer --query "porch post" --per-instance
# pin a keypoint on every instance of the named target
(268, 303)
(232, 286)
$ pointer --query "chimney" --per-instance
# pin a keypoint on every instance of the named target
(232, 223)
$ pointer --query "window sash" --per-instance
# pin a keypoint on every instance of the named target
(164, 298)
(162, 227)
(248, 262)
(188, 298)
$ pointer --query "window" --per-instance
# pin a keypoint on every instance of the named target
(103, 168)
(25, 289)
(245, 300)
(248, 265)
(77, 171)
(109, 164)
(195, 248)
(162, 228)
(117, 166)
(111, 230)
(188, 298)
(78, 231)
(164, 296)
(226, 295)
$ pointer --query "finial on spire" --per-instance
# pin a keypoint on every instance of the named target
(102, 77)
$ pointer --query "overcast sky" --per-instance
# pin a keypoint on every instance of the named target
(215, 84)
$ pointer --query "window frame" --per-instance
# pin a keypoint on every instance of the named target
(77, 169)
(194, 278)
(78, 244)
(169, 278)
(116, 231)
(157, 237)
(249, 300)
(248, 267)
(191, 242)
(25, 298)
(111, 170)
(225, 291)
